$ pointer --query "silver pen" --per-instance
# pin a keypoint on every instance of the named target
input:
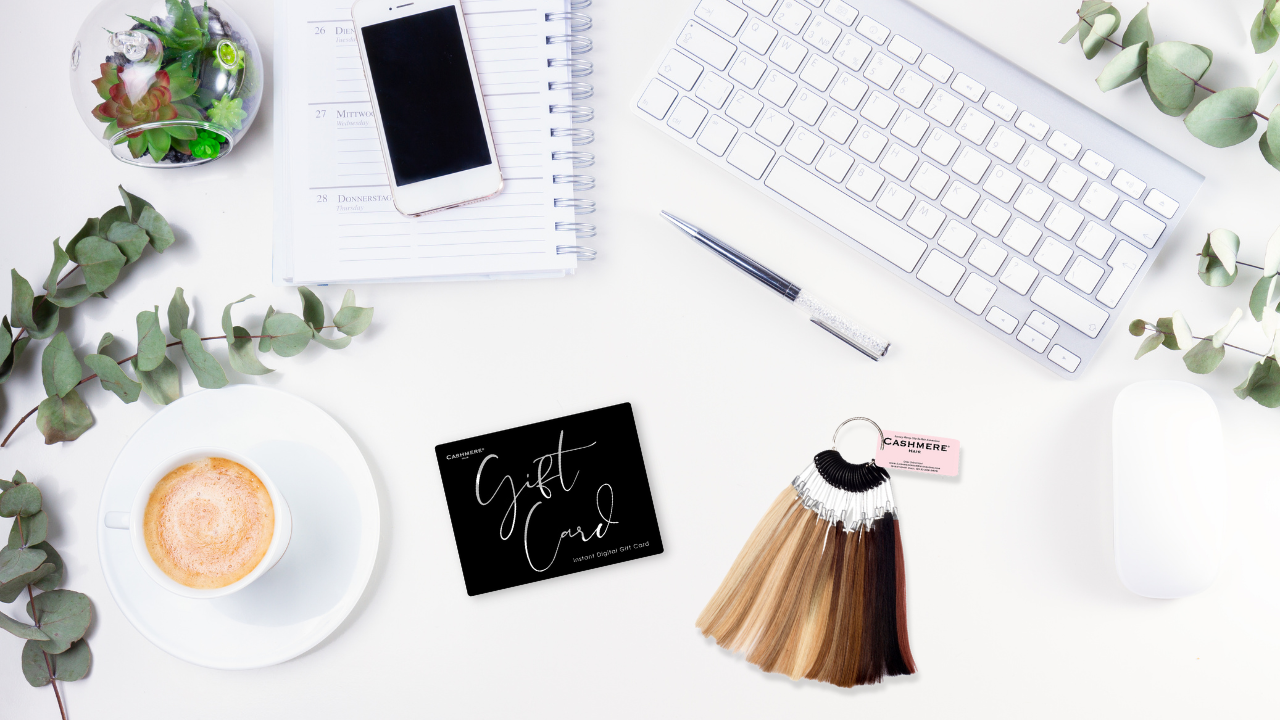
(819, 312)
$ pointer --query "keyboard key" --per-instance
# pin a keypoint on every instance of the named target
(1064, 358)
(1022, 236)
(1000, 107)
(944, 107)
(1042, 324)
(1018, 276)
(960, 199)
(808, 106)
(929, 181)
(764, 7)
(1137, 224)
(1033, 202)
(804, 146)
(851, 52)
(1053, 256)
(883, 70)
(834, 164)
(747, 69)
(744, 108)
(975, 294)
(1084, 275)
(759, 35)
(1032, 339)
(777, 88)
(913, 89)
(879, 109)
(819, 72)
(657, 99)
(865, 182)
(679, 69)
(974, 126)
(1036, 163)
(788, 54)
(1064, 221)
(838, 125)
(935, 68)
(721, 15)
(1096, 164)
(941, 146)
(910, 128)
(1002, 183)
(846, 215)
(750, 156)
(972, 165)
(1096, 240)
(868, 143)
(874, 30)
(774, 126)
(904, 49)
(848, 91)
(988, 257)
(926, 219)
(939, 271)
(687, 117)
(843, 14)
(1069, 307)
(717, 135)
(991, 218)
(1032, 125)
(895, 200)
(1002, 320)
(968, 87)
(1005, 144)
(714, 90)
(1124, 264)
(705, 44)
(1161, 203)
(1067, 181)
(822, 34)
(957, 238)
(898, 162)
(1064, 145)
(1128, 184)
(792, 16)
(1098, 201)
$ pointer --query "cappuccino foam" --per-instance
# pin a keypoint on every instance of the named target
(209, 523)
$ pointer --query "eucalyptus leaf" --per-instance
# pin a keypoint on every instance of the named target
(19, 478)
(1263, 293)
(1263, 383)
(1213, 268)
(162, 383)
(1225, 118)
(1103, 26)
(113, 378)
(59, 367)
(1124, 68)
(1139, 30)
(23, 499)
(21, 629)
(31, 531)
(1075, 30)
(39, 318)
(6, 339)
(64, 615)
(1262, 33)
(107, 339)
(157, 228)
(1146, 83)
(130, 238)
(15, 562)
(61, 419)
(1090, 9)
(6, 365)
(206, 368)
(68, 666)
(70, 296)
(90, 228)
(1267, 76)
(151, 341)
(240, 350)
(312, 308)
(1165, 326)
(1264, 146)
(53, 579)
(1271, 257)
(1204, 357)
(1149, 343)
(1138, 328)
(264, 344)
(116, 214)
(289, 334)
(10, 591)
(100, 261)
(179, 312)
(60, 260)
(352, 320)
(1173, 69)
(1182, 330)
(133, 204)
(337, 343)
(1220, 337)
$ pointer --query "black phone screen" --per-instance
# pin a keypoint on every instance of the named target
(430, 113)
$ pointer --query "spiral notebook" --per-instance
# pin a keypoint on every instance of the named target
(335, 222)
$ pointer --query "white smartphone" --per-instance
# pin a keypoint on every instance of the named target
(427, 104)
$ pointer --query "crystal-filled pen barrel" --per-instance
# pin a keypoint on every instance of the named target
(833, 322)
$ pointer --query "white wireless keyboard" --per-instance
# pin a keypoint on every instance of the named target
(1001, 197)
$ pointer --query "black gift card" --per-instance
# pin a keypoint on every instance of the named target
(549, 499)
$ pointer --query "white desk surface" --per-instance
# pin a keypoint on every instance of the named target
(1014, 604)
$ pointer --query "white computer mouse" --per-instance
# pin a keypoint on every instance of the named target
(1169, 490)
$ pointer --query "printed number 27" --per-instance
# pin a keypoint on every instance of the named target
(320, 113)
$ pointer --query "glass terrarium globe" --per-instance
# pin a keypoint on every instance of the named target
(166, 83)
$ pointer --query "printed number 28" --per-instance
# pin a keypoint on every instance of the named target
(322, 198)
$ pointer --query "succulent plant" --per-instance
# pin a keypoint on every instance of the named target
(157, 104)
(228, 112)
(206, 145)
(188, 35)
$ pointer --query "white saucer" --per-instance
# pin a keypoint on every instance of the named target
(330, 491)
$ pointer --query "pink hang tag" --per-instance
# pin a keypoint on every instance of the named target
(919, 453)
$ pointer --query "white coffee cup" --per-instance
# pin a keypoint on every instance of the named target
(133, 522)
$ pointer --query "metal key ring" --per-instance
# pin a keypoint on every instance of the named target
(836, 434)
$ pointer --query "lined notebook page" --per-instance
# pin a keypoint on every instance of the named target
(341, 224)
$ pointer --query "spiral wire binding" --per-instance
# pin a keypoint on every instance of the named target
(576, 22)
